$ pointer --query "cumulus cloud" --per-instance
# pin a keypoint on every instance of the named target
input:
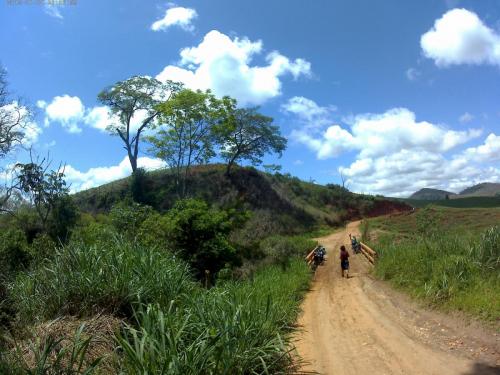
(101, 175)
(71, 114)
(310, 113)
(375, 135)
(396, 155)
(224, 65)
(176, 16)
(460, 37)
(66, 110)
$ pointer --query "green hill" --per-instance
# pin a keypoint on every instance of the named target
(431, 194)
(485, 189)
(281, 204)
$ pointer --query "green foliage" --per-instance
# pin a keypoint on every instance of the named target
(63, 217)
(138, 187)
(185, 137)
(14, 252)
(43, 246)
(200, 235)
(454, 269)
(127, 217)
(248, 135)
(41, 187)
(237, 328)
(126, 98)
(282, 250)
(81, 280)
(428, 222)
(467, 202)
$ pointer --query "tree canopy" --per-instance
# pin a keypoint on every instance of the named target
(186, 131)
(134, 104)
(248, 135)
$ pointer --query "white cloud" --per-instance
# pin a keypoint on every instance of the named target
(374, 135)
(465, 118)
(67, 110)
(412, 74)
(178, 16)
(396, 155)
(310, 113)
(71, 114)
(487, 152)
(223, 65)
(101, 175)
(460, 37)
(53, 11)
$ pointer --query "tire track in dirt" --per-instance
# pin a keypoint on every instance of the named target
(352, 326)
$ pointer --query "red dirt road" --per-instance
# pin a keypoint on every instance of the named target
(358, 326)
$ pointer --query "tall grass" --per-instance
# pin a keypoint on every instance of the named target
(172, 324)
(236, 328)
(453, 269)
(81, 280)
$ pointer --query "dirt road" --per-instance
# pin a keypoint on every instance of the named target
(360, 326)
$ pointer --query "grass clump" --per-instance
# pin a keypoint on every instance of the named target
(81, 280)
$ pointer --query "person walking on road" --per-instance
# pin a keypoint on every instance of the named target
(344, 261)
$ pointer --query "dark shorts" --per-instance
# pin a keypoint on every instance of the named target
(344, 264)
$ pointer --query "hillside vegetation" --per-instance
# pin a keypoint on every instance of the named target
(281, 204)
(446, 256)
(466, 202)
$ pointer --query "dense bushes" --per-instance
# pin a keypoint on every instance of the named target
(282, 250)
(450, 268)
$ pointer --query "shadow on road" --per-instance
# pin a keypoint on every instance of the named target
(483, 369)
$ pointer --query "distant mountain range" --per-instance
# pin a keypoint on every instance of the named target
(485, 189)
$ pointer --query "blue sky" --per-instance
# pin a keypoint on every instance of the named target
(396, 95)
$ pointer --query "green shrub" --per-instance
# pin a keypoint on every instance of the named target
(200, 235)
(127, 217)
(281, 250)
(81, 280)
(14, 253)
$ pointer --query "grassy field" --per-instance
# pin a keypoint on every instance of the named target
(448, 257)
(468, 202)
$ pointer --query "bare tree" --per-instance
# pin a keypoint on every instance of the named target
(13, 117)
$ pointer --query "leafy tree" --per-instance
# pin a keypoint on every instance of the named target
(185, 137)
(47, 192)
(135, 100)
(248, 135)
(200, 234)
